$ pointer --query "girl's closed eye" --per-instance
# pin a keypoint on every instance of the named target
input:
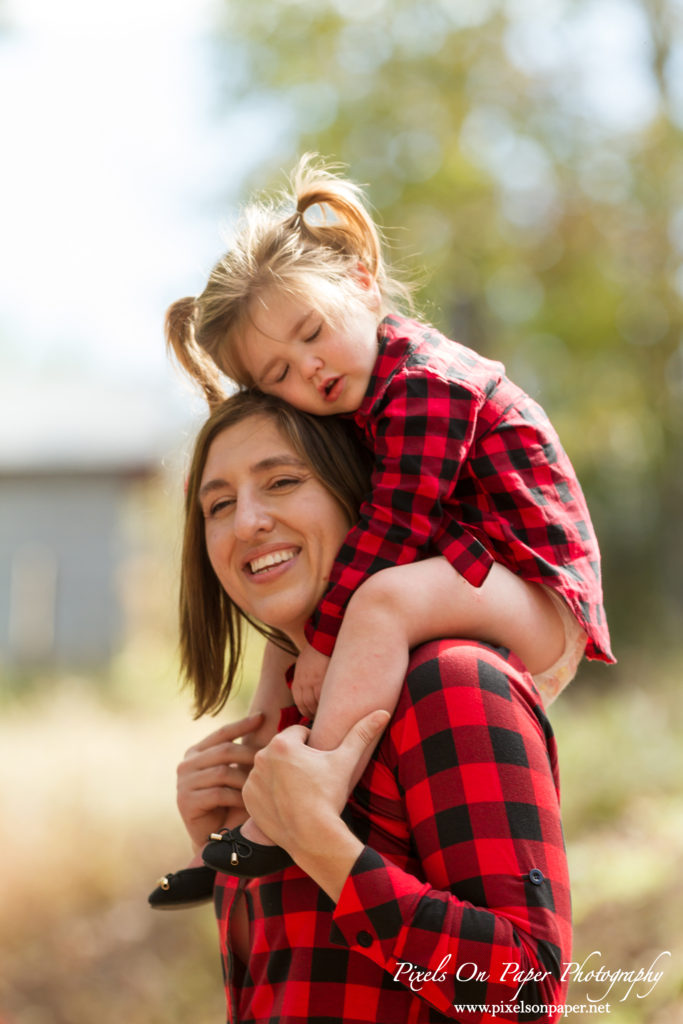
(314, 335)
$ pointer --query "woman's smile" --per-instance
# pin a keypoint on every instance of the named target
(263, 565)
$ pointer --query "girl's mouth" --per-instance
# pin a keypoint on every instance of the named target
(333, 388)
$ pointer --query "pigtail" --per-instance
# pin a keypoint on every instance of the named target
(179, 327)
(331, 213)
(341, 221)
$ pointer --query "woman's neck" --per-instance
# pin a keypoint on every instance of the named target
(297, 637)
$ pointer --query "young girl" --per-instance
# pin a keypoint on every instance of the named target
(476, 525)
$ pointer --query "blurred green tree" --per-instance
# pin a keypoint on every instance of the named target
(525, 158)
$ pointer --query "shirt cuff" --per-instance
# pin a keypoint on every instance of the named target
(377, 902)
(467, 556)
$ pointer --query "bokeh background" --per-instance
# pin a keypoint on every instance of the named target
(525, 160)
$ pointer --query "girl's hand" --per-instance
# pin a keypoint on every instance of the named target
(309, 674)
(211, 776)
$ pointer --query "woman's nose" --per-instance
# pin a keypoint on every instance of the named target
(251, 517)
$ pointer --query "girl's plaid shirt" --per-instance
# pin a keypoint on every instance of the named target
(468, 466)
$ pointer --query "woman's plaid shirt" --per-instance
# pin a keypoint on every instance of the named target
(468, 466)
(463, 873)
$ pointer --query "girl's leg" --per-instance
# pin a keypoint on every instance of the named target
(403, 606)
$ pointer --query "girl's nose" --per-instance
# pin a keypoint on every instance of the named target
(251, 517)
(309, 365)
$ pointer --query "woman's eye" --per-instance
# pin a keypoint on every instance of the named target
(285, 481)
(314, 335)
(281, 377)
(220, 507)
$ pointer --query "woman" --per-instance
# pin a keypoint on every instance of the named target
(442, 891)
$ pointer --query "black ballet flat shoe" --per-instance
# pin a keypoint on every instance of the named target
(184, 888)
(232, 854)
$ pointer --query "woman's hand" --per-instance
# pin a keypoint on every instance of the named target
(309, 673)
(296, 794)
(211, 777)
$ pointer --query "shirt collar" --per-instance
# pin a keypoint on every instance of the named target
(394, 347)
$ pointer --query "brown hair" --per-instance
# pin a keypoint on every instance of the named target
(308, 241)
(211, 625)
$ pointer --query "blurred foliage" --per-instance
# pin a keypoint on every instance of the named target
(530, 174)
(89, 761)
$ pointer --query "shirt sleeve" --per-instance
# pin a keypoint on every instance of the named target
(421, 432)
(489, 923)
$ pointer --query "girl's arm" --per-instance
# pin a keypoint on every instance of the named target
(430, 437)
(413, 479)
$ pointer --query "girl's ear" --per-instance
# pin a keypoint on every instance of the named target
(368, 283)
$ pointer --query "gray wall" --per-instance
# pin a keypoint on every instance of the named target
(59, 553)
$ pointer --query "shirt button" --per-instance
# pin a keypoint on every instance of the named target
(536, 876)
(364, 939)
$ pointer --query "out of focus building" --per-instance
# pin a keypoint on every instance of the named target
(67, 471)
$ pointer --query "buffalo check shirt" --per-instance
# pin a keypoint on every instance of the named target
(463, 874)
(468, 466)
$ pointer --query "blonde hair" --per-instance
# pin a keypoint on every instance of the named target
(308, 241)
(211, 624)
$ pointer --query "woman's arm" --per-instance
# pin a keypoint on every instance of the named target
(476, 769)
(271, 694)
(212, 773)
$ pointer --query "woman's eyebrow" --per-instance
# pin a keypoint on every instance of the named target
(210, 486)
(270, 462)
(273, 461)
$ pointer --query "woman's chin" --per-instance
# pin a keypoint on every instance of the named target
(283, 613)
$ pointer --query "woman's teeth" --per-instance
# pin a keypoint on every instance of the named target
(274, 558)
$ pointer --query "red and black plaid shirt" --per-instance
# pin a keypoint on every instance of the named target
(468, 466)
(463, 872)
